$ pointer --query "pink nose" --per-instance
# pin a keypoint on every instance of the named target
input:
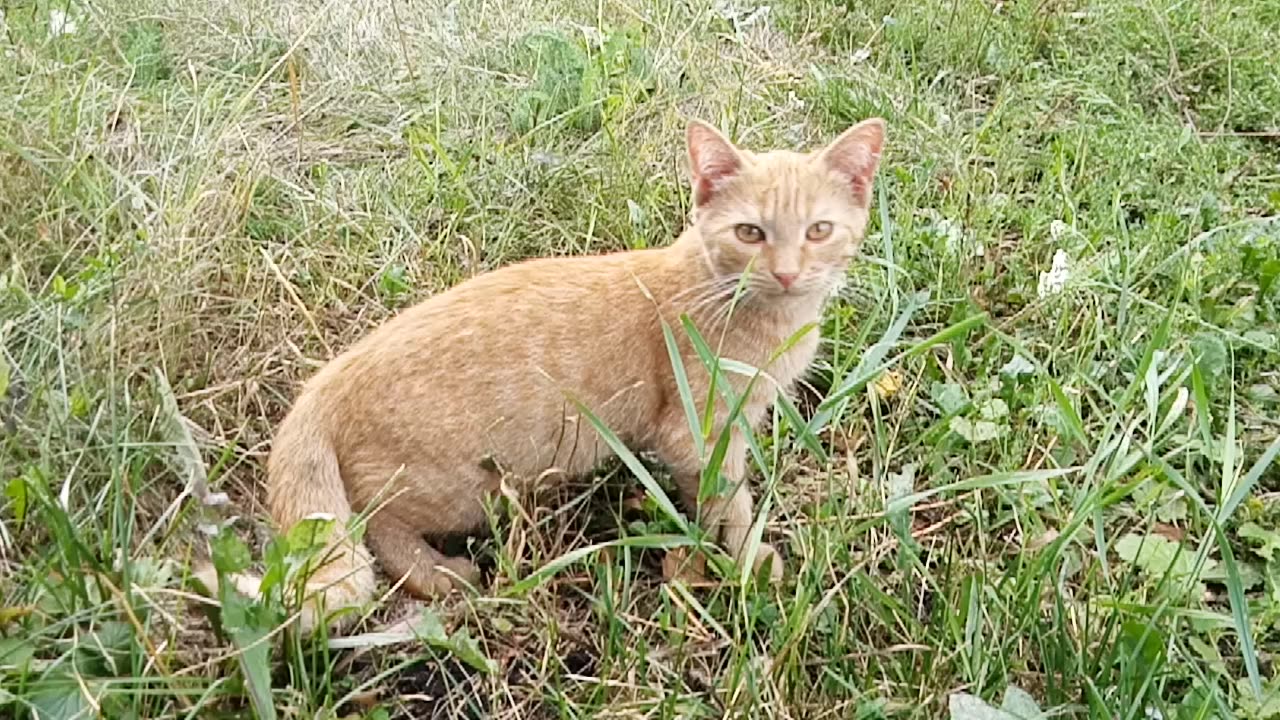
(785, 279)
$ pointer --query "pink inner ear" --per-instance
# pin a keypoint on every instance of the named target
(858, 164)
(856, 156)
(713, 162)
(711, 176)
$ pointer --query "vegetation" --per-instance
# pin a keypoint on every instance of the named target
(1035, 472)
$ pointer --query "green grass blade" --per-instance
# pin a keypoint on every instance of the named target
(1239, 611)
(1068, 413)
(1228, 487)
(804, 434)
(682, 387)
(859, 379)
(635, 466)
(1235, 588)
(1204, 411)
(1019, 477)
(651, 542)
(1247, 483)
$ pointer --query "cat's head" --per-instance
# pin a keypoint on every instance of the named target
(793, 219)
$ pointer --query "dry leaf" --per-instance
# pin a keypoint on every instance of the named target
(888, 384)
(678, 564)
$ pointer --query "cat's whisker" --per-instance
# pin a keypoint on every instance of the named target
(705, 302)
(701, 307)
(725, 311)
(709, 284)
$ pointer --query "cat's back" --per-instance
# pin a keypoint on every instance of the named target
(530, 312)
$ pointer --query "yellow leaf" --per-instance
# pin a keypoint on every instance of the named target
(888, 384)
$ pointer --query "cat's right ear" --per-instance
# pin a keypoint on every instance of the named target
(713, 160)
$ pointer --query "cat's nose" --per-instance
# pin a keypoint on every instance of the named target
(785, 279)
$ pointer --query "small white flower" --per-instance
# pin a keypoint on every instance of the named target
(1052, 282)
(740, 16)
(216, 499)
(546, 159)
(594, 37)
(1153, 713)
(60, 24)
(760, 13)
(1057, 229)
(1018, 366)
(861, 54)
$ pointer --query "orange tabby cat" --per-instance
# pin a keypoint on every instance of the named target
(422, 412)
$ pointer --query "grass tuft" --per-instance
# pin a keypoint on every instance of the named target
(994, 494)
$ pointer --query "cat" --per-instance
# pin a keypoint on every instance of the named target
(424, 417)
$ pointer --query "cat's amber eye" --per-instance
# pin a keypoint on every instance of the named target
(749, 234)
(819, 231)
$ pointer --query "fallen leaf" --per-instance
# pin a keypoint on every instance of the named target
(678, 564)
(888, 384)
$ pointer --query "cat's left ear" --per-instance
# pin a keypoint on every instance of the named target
(855, 156)
(712, 159)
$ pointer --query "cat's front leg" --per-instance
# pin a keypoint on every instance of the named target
(728, 517)
(732, 516)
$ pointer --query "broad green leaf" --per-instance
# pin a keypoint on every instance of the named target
(61, 699)
(464, 647)
(230, 554)
(1266, 541)
(310, 534)
(1211, 355)
(1157, 556)
(1018, 366)
(949, 397)
(993, 409)
(16, 652)
(975, 432)
(1019, 704)
(247, 624)
(1266, 707)
(16, 491)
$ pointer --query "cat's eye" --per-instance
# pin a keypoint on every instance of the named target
(818, 231)
(750, 234)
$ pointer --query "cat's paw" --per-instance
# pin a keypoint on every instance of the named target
(766, 555)
(454, 572)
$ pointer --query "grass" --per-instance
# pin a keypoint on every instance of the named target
(988, 496)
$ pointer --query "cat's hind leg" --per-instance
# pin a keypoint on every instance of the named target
(405, 555)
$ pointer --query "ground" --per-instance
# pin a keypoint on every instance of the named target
(1047, 410)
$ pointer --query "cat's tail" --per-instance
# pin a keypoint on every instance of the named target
(304, 482)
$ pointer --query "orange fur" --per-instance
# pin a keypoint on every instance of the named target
(411, 412)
